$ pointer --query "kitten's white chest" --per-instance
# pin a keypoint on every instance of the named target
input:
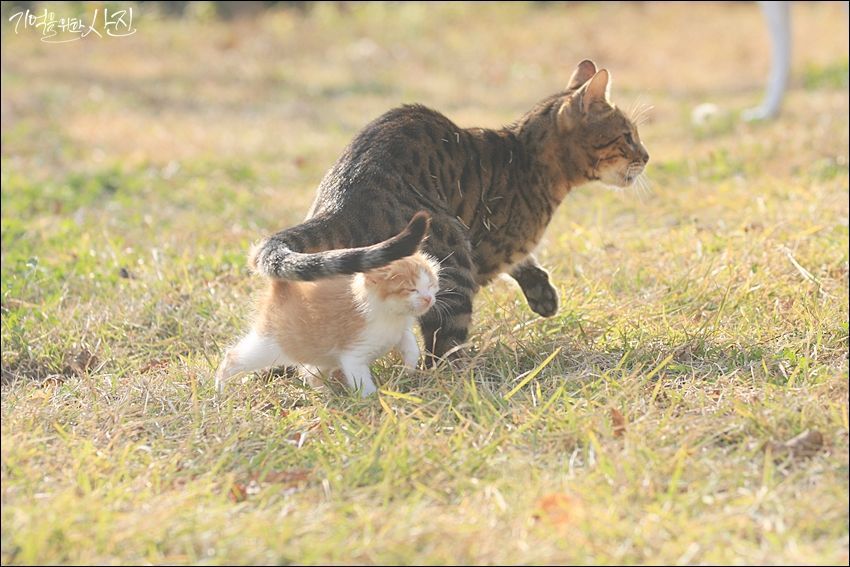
(383, 332)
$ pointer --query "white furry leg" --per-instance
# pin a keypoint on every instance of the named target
(252, 353)
(358, 376)
(409, 349)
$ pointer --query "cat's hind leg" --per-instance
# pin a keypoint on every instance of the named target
(446, 325)
(541, 295)
(253, 352)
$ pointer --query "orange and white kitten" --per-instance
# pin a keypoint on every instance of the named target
(343, 322)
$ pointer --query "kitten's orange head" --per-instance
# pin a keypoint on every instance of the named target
(596, 133)
(408, 285)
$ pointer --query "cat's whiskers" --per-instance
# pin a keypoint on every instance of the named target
(634, 175)
(640, 114)
(643, 179)
(441, 305)
(642, 186)
(449, 291)
(441, 308)
(636, 104)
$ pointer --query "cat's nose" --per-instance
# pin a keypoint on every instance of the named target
(644, 155)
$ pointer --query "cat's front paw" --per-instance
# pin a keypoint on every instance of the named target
(367, 389)
(542, 298)
(411, 362)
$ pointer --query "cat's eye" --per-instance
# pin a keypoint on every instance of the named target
(628, 138)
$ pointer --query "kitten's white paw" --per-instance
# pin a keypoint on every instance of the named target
(411, 362)
(409, 349)
(367, 389)
(220, 377)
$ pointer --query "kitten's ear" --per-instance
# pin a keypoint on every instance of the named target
(584, 71)
(378, 275)
(596, 90)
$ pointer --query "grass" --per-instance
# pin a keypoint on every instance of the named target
(703, 327)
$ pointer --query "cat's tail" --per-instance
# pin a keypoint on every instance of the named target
(275, 258)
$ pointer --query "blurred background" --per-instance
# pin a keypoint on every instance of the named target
(285, 84)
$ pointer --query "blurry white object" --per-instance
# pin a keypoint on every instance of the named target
(704, 113)
(778, 22)
(778, 18)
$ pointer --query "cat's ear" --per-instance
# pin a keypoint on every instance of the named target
(584, 71)
(579, 103)
(596, 90)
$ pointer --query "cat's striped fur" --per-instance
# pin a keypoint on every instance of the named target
(490, 194)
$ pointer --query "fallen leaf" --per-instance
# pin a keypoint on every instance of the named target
(81, 362)
(619, 422)
(295, 476)
(52, 380)
(556, 508)
(153, 365)
(299, 438)
(238, 492)
(806, 444)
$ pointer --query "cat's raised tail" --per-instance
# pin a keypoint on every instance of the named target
(274, 257)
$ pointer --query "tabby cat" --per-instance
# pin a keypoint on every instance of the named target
(490, 194)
